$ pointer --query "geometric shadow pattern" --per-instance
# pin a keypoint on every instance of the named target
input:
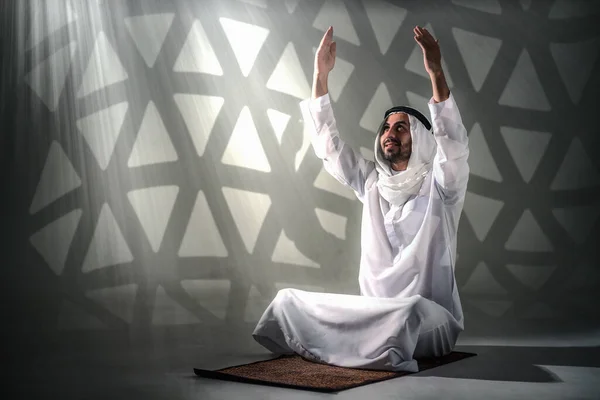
(191, 191)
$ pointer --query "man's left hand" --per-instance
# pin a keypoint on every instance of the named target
(432, 56)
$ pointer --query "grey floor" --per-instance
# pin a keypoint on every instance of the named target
(74, 370)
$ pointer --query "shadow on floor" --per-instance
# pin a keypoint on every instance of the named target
(516, 364)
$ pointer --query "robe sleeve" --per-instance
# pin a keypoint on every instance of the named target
(344, 163)
(450, 167)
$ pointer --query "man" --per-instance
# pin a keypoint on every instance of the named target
(412, 198)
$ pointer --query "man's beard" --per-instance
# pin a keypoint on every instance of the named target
(400, 153)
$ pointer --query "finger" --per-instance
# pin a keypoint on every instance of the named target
(420, 43)
(418, 35)
(333, 49)
(327, 36)
(420, 31)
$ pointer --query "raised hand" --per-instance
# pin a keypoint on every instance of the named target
(324, 63)
(432, 56)
(325, 57)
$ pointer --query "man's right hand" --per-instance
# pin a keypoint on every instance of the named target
(324, 63)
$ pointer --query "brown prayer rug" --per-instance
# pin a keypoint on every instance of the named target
(299, 373)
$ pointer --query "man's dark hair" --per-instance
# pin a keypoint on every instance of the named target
(409, 111)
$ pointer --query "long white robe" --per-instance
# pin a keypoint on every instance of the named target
(409, 305)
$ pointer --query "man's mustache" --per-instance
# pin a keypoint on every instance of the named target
(393, 140)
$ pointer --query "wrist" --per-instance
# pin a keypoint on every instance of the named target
(436, 72)
(319, 85)
(320, 77)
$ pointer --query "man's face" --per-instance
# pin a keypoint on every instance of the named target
(395, 140)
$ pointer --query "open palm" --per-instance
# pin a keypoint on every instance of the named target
(325, 57)
(432, 56)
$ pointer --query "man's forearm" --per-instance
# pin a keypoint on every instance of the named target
(319, 87)
(441, 92)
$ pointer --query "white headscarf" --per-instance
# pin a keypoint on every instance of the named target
(397, 186)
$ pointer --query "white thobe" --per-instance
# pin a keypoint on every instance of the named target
(409, 305)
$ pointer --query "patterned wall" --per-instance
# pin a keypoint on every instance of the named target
(170, 181)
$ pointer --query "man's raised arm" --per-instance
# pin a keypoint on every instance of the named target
(450, 168)
(339, 159)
